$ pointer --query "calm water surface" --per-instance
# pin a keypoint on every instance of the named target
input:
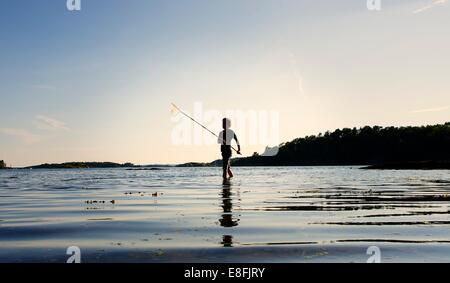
(292, 214)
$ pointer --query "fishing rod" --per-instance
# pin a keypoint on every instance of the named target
(182, 112)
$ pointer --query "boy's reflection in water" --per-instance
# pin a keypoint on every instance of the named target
(227, 219)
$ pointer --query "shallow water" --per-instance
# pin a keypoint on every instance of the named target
(283, 214)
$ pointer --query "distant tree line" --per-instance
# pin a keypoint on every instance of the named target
(80, 165)
(2, 164)
(361, 146)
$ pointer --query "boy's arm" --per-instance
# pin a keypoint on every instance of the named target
(220, 138)
(238, 144)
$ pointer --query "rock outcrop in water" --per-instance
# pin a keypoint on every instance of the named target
(215, 163)
(2, 164)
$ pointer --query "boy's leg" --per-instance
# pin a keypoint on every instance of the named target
(230, 173)
(226, 156)
(224, 167)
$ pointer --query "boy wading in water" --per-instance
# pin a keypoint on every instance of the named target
(225, 138)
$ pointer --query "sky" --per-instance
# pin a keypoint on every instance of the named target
(97, 84)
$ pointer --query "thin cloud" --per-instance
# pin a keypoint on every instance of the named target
(430, 6)
(44, 87)
(297, 75)
(47, 123)
(436, 109)
(23, 135)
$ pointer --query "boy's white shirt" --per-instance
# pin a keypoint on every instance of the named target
(229, 137)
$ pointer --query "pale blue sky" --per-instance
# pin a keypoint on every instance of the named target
(97, 84)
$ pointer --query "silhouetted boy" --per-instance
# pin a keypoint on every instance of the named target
(225, 138)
